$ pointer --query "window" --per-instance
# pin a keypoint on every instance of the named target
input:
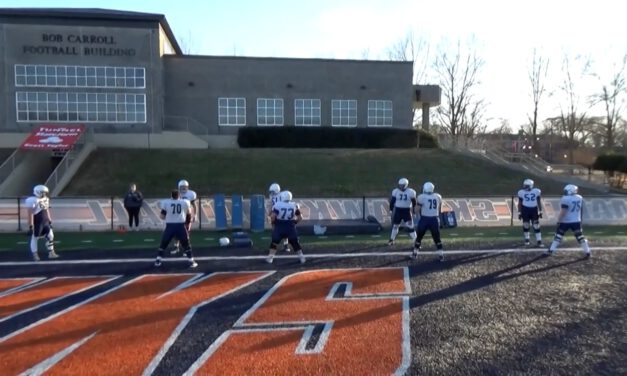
(344, 113)
(379, 113)
(307, 112)
(269, 111)
(232, 111)
(80, 76)
(80, 107)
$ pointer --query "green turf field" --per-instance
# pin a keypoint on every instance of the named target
(306, 172)
(457, 238)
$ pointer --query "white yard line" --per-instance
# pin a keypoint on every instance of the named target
(310, 256)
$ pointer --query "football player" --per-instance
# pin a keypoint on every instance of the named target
(274, 192)
(402, 207)
(40, 221)
(530, 210)
(177, 213)
(189, 195)
(569, 218)
(285, 215)
(429, 207)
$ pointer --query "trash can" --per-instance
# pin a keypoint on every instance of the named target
(257, 213)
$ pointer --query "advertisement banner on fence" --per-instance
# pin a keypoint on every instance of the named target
(105, 214)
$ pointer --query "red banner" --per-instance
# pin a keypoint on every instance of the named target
(53, 137)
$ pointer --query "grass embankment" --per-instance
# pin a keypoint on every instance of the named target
(306, 172)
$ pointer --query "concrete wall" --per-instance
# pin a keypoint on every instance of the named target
(41, 40)
(193, 85)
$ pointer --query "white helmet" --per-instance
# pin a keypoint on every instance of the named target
(40, 190)
(184, 184)
(571, 189)
(286, 196)
(428, 187)
(403, 184)
(528, 184)
(274, 189)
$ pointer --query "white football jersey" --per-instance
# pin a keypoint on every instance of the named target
(37, 205)
(529, 198)
(286, 211)
(403, 198)
(175, 210)
(573, 205)
(429, 204)
(274, 198)
(189, 195)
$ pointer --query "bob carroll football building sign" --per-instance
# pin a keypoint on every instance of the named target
(118, 71)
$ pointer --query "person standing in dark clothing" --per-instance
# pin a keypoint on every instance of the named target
(133, 203)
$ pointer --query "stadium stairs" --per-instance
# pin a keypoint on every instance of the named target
(567, 174)
(24, 169)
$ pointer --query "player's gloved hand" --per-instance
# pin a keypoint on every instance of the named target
(519, 216)
(540, 215)
(30, 231)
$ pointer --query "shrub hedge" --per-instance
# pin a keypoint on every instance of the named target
(331, 137)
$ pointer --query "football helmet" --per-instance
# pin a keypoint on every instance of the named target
(570, 189)
(428, 188)
(403, 184)
(183, 186)
(528, 184)
(40, 190)
(274, 189)
(286, 196)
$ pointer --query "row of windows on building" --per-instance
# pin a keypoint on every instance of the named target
(307, 112)
(131, 108)
(80, 76)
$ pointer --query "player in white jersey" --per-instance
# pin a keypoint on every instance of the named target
(177, 214)
(40, 221)
(274, 195)
(189, 195)
(429, 206)
(569, 218)
(285, 215)
(530, 210)
(402, 207)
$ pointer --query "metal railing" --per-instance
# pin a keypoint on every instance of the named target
(70, 156)
(10, 163)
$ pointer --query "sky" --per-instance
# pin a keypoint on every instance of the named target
(504, 34)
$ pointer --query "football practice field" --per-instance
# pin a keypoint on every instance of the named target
(356, 307)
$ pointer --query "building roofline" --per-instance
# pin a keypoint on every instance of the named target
(225, 57)
(95, 14)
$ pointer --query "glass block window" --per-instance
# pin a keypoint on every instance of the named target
(307, 112)
(80, 76)
(379, 113)
(269, 111)
(80, 107)
(232, 111)
(344, 113)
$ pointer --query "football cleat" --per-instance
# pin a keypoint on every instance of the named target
(52, 255)
(414, 254)
(302, 259)
(269, 259)
(390, 242)
(527, 243)
(175, 251)
(36, 257)
(539, 244)
(587, 254)
(157, 263)
(549, 252)
(193, 264)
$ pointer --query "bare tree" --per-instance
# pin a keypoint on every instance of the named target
(573, 119)
(612, 98)
(187, 44)
(410, 48)
(458, 75)
(537, 77)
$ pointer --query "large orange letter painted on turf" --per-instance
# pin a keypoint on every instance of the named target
(320, 322)
(123, 331)
(34, 295)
